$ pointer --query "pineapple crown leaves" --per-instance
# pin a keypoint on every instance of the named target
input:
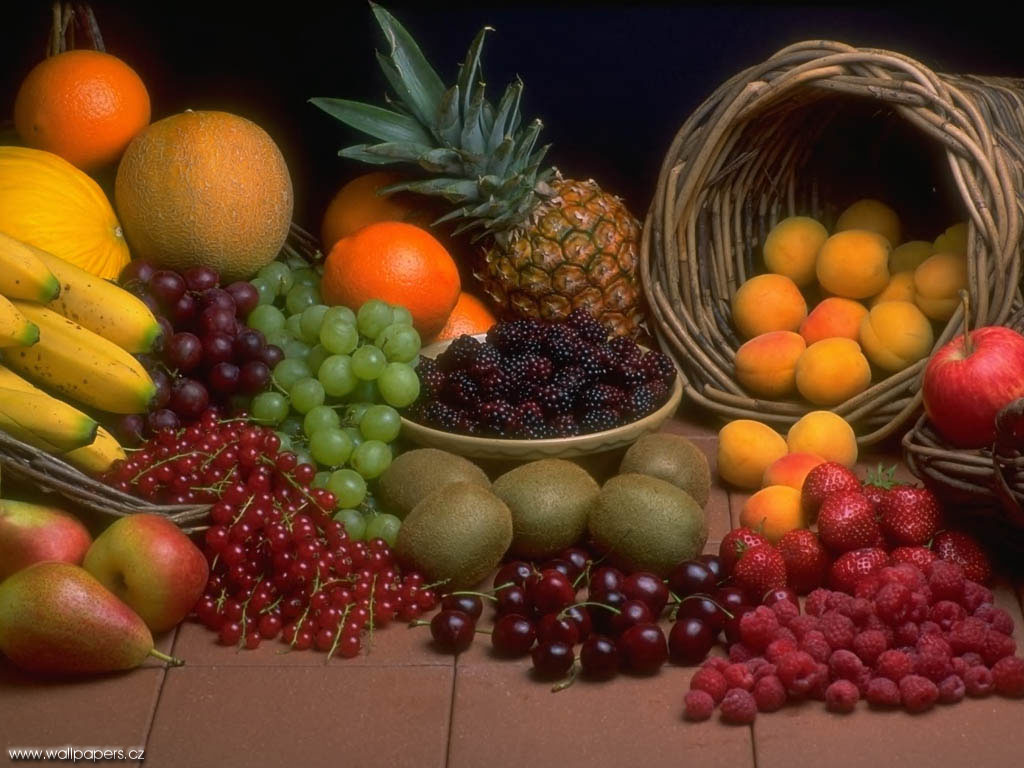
(479, 156)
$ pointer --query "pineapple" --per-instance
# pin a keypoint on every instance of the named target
(551, 245)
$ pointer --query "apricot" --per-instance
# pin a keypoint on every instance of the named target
(908, 257)
(834, 317)
(874, 216)
(767, 303)
(774, 511)
(766, 365)
(791, 470)
(937, 283)
(791, 248)
(953, 240)
(831, 371)
(900, 288)
(854, 264)
(824, 434)
(895, 335)
(745, 450)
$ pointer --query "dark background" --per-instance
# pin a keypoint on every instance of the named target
(612, 83)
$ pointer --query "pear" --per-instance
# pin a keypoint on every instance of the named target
(56, 618)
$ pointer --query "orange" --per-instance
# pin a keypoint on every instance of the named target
(398, 263)
(82, 105)
(469, 316)
(357, 204)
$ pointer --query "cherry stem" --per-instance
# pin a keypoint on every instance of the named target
(565, 611)
(174, 662)
(680, 600)
(478, 594)
(965, 301)
(569, 680)
(482, 631)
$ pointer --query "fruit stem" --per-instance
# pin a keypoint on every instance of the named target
(171, 660)
(569, 680)
(565, 611)
(479, 594)
(680, 600)
(965, 301)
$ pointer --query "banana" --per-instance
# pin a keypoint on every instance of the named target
(81, 364)
(23, 275)
(15, 329)
(94, 458)
(101, 306)
(43, 422)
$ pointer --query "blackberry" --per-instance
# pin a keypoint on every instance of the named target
(594, 361)
(487, 359)
(560, 342)
(564, 426)
(658, 367)
(599, 420)
(467, 425)
(460, 353)
(495, 416)
(625, 350)
(538, 368)
(441, 416)
(431, 381)
(426, 365)
(660, 391)
(517, 336)
(537, 432)
(495, 385)
(600, 396)
(572, 378)
(586, 327)
(460, 390)
(529, 412)
(625, 375)
(554, 400)
(640, 402)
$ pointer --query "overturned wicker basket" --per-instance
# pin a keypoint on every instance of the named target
(751, 155)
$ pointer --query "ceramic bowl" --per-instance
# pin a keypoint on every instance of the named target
(530, 450)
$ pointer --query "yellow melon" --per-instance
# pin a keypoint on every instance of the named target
(49, 203)
(205, 188)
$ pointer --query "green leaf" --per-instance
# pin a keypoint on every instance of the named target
(383, 154)
(421, 80)
(449, 120)
(500, 157)
(507, 108)
(472, 134)
(468, 71)
(529, 138)
(375, 121)
(453, 190)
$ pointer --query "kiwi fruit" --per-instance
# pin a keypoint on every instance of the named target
(671, 458)
(647, 524)
(550, 500)
(457, 535)
(416, 474)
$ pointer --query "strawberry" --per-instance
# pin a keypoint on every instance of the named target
(853, 566)
(919, 556)
(964, 550)
(909, 516)
(825, 479)
(805, 558)
(734, 544)
(760, 569)
(847, 521)
(879, 481)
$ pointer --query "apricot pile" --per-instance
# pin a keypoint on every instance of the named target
(882, 301)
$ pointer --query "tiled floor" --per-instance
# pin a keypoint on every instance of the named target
(402, 704)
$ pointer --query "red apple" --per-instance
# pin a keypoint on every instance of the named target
(967, 383)
(30, 533)
(152, 566)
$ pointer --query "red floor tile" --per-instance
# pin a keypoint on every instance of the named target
(338, 716)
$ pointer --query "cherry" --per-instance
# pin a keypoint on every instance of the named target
(689, 641)
(452, 631)
(648, 588)
(605, 580)
(730, 598)
(633, 612)
(512, 600)
(552, 660)
(553, 628)
(513, 635)
(732, 626)
(580, 615)
(471, 605)
(602, 616)
(704, 608)
(575, 557)
(714, 563)
(514, 572)
(559, 565)
(644, 648)
(692, 577)
(551, 592)
(599, 657)
(781, 593)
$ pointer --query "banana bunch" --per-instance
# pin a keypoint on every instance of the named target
(74, 334)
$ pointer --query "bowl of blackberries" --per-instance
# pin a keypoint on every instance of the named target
(530, 389)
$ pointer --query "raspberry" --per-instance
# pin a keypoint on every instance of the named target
(738, 706)
(797, 672)
(908, 575)
(934, 666)
(972, 659)
(711, 681)
(892, 603)
(769, 694)
(838, 630)
(860, 611)
(738, 676)
(738, 653)
(869, 645)
(839, 601)
(815, 604)
(997, 618)
(951, 690)
(765, 670)
(882, 692)
(815, 645)
(997, 646)
(968, 635)
(930, 628)
(784, 633)
(755, 664)
(758, 628)
(801, 625)
(868, 586)
(975, 595)
(819, 682)
(779, 648)
(845, 665)
(946, 581)
(1008, 675)
(935, 644)
(841, 696)
(699, 705)
(785, 611)
(906, 633)
(894, 665)
(918, 693)
(717, 663)
(959, 666)
(919, 602)
(978, 681)
(946, 613)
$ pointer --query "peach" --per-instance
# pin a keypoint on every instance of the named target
(872, 215)
(895, 335)
(832, 318)
(791, 470)
(767, 303)
(791, 248)
(745, 450)
(854, 264)
(824, 434)
(774, 511)
(900, 288)
(908, 257)
(766, 365)
(832, 371)
(937, 283)
(953, 240)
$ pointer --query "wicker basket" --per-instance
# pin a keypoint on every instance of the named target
(751, 155)
(49, 473)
